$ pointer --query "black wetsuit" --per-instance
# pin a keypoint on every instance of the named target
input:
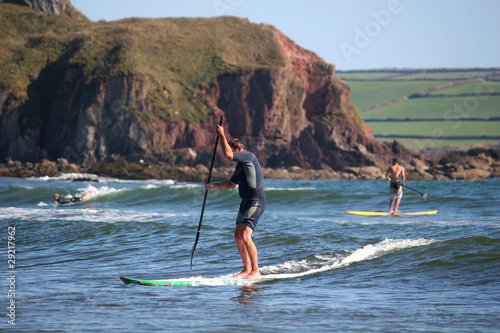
(66, 199)
(250, 178)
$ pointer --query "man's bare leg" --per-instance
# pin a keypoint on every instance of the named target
(248, 252)
(247, 267)
(397, 205)
(252, 253)
(391, 203)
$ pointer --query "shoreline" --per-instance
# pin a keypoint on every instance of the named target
(481, 167)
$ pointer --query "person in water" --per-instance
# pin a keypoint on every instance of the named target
(69, 198)
(249, 176)
(395, 173)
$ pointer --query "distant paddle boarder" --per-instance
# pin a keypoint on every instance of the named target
(70, 198)
(395, 173)
(249, 176)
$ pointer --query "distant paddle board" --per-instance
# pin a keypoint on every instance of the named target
(386, 213)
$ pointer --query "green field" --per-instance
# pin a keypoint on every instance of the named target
(440, 108)
(458, 75)
(438, 129)
(447, 120)
(365, 94)
(471, 88)
(441, 146)
(409, 75)
(377, 76)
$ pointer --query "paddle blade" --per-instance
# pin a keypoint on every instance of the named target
(194, 246)
(424, 196)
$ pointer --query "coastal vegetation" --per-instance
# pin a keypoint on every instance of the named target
(34, 44)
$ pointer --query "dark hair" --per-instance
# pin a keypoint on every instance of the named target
(395, 160)
(236, 143)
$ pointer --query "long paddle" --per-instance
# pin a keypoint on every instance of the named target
(424, 196)
(205, 198)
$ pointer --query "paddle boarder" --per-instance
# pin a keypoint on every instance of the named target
(70, 198)
(395, 173)
(249, 177)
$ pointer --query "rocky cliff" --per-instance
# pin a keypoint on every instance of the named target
(97, 93)
(51, 7)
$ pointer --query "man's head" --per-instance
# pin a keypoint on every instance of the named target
(395, 161)
(56, 196)
(236, 145)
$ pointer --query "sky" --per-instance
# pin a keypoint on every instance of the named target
(350, 34)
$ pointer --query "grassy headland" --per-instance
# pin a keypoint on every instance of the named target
(179, 56)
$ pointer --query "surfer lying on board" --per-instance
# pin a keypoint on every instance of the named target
(248, 175)
(69, 198)
(395, 173)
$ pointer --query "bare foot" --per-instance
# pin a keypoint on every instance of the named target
(397, 212)
(253, 275)
(241, 275)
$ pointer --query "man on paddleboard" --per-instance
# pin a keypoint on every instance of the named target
(249, 176)
(395, 173)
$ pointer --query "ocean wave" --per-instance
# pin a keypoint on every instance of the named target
(82, 215)
(321, 263)
(316, 264)
(149, 186)
(187, 185)
(290, 189)
(71, 177)
(90, 177)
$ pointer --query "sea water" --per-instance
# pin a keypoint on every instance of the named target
(330, 271)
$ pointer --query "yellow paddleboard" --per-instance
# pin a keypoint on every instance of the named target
(386, 213)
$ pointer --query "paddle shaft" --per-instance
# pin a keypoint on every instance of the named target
(205, 197)
(425, 196)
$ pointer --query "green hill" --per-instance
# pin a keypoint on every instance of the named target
(31, 42)
(94, 91)
(435, 109)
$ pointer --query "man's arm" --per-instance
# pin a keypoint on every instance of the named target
(387, 172)
(403, 176)
(228, 152)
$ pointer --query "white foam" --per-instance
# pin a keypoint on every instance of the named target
(86, 214)
(321, 263)
(138, 181)
(187, 185)
(149, 186)
(72, 176)
(97, 191)
(96, 178)
(290, 189)
(387, 246)
(296, 269)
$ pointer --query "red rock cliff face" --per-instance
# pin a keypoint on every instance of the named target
(298, 115)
